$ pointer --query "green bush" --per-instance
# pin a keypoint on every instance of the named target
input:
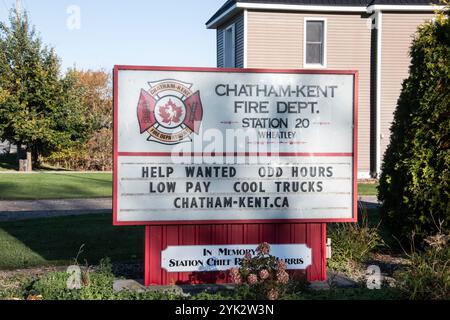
(352, 244)
(415, 181)
(427, 276)
(13, 287)
(94, 155)
(97, 286)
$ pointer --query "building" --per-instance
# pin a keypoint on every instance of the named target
(371, 36)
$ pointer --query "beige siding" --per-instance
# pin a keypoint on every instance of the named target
(275, 40)
(398, 32)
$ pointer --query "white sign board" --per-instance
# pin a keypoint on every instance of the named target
(214, 146)
(225, 257)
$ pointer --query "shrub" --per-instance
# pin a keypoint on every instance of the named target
(263, 274)
(96, 154)
(53, 286)
(11, 288)
(415, 181)
(427, 276)
(352, 244)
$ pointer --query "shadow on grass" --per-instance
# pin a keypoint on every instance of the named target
(54, 241)
(8, 162)
(44, 169)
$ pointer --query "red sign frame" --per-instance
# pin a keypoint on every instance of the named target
(354, 154)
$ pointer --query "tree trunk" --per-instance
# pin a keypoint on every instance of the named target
(20, 164)
(19, 146)
(35, 156)
(29, 161)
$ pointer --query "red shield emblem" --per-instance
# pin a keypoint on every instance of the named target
(170, 112)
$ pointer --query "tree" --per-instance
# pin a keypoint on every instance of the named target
(96, 97)
(38, 109)
(415, 181)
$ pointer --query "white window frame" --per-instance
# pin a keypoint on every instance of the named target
(233, 46)
(325, 40)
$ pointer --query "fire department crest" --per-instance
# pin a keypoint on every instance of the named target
(170, 111)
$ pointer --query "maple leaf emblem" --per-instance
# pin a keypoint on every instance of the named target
(170, 112)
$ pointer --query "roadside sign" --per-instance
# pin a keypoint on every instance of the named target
(211, 146)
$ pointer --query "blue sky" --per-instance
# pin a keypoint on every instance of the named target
(137, 32)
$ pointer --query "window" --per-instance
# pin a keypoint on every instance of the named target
(315, 51)
(229, 47)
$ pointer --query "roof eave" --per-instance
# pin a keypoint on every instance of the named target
(239, 6)
(214, 23)
(300, 7)
(409, 8)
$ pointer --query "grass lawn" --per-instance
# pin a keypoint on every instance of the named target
(367, 189)
(19, 186)
(56, 241)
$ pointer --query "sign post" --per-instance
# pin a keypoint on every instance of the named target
(215, 161)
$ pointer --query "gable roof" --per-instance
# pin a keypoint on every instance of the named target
(231, 6)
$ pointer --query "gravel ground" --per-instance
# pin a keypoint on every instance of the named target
(32, 209)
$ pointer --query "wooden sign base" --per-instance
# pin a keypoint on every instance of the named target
(158, 238)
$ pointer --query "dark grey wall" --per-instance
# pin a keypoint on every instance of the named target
(238, 20)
